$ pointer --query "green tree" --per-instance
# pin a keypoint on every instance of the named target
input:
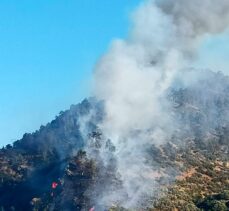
(218, 206)
(224, 195)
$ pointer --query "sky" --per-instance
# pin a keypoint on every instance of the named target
(48, 50)
(214, 53)
(47, 53)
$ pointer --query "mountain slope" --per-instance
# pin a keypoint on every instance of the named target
(49, 169)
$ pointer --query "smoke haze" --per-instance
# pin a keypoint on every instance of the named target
(132, 79)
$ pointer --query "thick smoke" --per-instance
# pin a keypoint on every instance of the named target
(133, 77)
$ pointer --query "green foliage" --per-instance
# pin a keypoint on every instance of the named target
(224, 195)
(216, 202)
(218, 206)
(190, 207)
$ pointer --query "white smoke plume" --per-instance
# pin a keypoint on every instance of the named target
(134, 74)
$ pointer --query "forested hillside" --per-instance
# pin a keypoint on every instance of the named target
(50, 169)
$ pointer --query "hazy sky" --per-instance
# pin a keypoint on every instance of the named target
(47, 53)
(214, 53)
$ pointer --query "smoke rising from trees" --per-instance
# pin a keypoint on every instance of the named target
(133, 77)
